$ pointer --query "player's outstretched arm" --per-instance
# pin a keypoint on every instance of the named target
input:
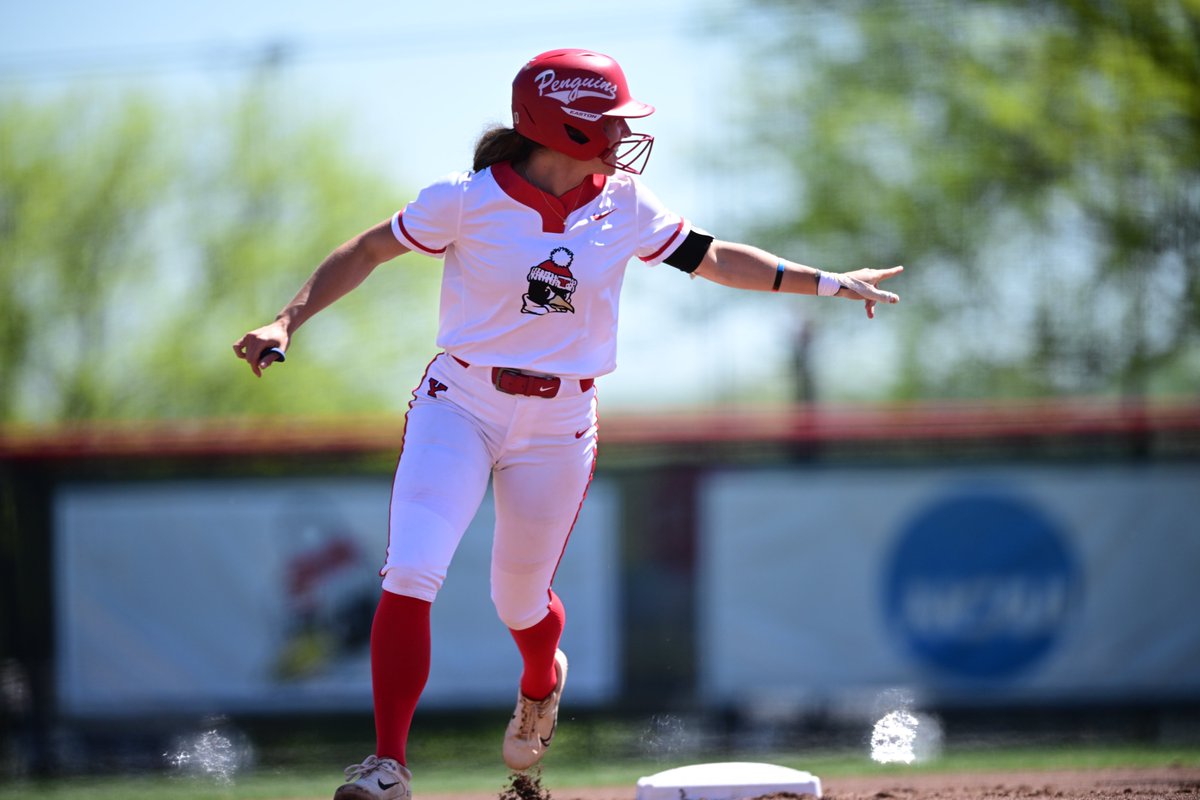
(339, 274)
(743, 266)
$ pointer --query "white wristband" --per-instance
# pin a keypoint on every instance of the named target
(827, 284)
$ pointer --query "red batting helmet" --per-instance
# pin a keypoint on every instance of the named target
(560, 99)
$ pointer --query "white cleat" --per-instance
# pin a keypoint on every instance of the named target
(376, 779)
(533, 723)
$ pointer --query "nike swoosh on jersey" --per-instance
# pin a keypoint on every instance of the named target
(602, 214)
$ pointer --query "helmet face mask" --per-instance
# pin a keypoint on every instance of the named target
(562, 100)
(631, 153)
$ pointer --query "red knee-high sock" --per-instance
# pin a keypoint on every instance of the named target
(537, 646)
(399, 669)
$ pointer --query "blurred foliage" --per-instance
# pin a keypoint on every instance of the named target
(138, 240)
(1035, 165)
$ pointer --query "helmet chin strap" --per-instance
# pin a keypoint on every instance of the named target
(631, 154)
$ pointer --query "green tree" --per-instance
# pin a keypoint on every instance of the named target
(1035, 164)
(72, 188)
(139, 240)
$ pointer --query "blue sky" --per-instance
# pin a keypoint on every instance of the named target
(448, 66)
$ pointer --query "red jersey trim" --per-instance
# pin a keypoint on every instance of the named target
(661, 250)
(553, 210)
(409, 236)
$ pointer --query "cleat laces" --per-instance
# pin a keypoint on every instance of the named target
(531, 712)
(356, 771)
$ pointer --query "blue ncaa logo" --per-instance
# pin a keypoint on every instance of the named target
(980, 585)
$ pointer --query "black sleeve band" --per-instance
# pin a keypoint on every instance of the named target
(689, 254)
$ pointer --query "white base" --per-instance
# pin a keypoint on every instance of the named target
(734, 780)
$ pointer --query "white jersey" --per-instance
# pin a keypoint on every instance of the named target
(532, 281)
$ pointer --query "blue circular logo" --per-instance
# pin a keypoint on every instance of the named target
(980, 585)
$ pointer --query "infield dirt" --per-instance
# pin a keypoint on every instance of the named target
(1099, 784)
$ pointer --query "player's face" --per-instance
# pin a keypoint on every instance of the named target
(615, 129)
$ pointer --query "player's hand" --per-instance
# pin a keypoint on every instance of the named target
(862, 284)
(262, 347)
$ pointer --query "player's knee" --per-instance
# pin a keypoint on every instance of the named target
(518, 619)
(421, 544)
(413, 581)
(520, 604)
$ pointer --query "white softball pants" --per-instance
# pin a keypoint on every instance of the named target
(538, 452)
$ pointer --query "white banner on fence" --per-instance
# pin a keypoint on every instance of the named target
(971, 585)
(258, 595)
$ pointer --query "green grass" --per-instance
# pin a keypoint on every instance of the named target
(575, 770)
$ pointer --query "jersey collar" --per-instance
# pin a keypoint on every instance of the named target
(553, 210)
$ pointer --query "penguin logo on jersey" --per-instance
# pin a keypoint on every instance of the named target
(551, 285)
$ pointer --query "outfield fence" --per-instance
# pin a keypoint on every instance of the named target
(776, 564)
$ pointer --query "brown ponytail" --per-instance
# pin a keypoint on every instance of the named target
(501, 144)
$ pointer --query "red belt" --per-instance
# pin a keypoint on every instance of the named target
(514, 381)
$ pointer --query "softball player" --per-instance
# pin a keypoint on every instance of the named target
(534, 240)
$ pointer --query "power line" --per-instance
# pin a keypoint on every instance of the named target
(122, 61)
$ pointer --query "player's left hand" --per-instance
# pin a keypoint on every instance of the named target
(862, 284)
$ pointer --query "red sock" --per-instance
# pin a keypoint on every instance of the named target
(399, 669)
(537, 646)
